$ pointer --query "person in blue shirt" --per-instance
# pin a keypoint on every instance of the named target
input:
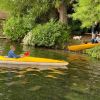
(11, 53)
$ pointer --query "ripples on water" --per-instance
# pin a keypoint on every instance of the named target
(81, 81)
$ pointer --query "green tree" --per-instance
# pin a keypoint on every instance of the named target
(36, 7)
(87, 11)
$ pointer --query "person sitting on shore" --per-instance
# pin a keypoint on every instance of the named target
(95, 28)
(95, 31)
(94, 40)
(11, 53)
(98, 39)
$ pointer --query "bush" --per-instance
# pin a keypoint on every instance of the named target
(93, 52)
(15, 28)
(51, 34)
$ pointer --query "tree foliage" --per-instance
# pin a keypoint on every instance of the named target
(34, 7)
(22, 7)
(28, 11)
(50, 34)
(87, 11)
(15, 28)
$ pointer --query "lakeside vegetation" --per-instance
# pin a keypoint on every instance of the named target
(31, 16)
(51, 34)
(93, 52)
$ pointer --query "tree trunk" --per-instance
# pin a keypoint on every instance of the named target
(62, 13)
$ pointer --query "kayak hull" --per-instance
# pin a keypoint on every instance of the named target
(82, 46)
(31, 62)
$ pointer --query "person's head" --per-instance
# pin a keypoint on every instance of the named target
(12, 47)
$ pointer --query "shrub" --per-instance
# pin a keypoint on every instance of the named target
(51, 34)
(93, 52)
(15, 28)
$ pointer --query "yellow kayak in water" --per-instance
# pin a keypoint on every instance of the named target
(82, 46)
(31, 61)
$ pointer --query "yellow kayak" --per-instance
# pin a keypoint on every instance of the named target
(31, 61)
(82, 46)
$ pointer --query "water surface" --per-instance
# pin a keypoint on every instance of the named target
(81, 81)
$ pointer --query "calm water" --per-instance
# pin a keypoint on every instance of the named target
(81, 81)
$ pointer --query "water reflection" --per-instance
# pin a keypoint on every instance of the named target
(80, 81)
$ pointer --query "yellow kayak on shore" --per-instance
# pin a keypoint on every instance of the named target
(31, 61)
(82, 46)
